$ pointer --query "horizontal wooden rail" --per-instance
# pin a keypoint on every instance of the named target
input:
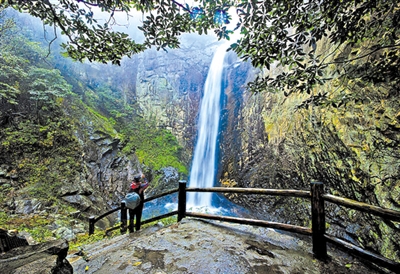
(376, 210)
(106, 214)
(108, 230)
(372, 257)
(286, 227)
(169, 214)
(274, 192)
(318, 216)
(160, 195)
(93, 219)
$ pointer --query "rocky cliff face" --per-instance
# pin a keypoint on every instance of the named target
(170, 85)
(251, 159)
(166, 87)
(107, 171)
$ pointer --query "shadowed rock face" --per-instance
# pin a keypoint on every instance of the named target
(11, 239)
(49, 257)
(195, 246)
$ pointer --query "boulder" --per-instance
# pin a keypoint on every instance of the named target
(168, 180)
(28, 237)
(49, 257)
(65, 233)
(83, 203)
(27, 206)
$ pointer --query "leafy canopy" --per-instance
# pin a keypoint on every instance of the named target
(282, 33)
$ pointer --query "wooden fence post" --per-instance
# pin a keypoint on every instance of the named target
(124, 217)
(318, 220)
(91, 225)
(182, 200)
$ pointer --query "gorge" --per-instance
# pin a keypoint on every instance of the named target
(66, 157)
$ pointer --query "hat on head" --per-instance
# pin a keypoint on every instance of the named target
(137, 177)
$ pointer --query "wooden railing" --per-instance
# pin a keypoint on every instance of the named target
(317, 230)
(8, 242)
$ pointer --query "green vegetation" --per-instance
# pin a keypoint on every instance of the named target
(37, 140)
(157, 148)
(41, 148)
(165, 221)
(49, 155)
(35, 225)
(84, 239)
(331, 68)
(38, 128)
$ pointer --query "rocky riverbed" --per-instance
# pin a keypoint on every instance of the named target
(197, 246)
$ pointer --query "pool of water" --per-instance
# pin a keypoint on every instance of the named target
(220, 206)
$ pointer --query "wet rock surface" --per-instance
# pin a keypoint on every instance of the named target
(197, 246)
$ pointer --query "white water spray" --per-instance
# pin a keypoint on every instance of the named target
(202, 173)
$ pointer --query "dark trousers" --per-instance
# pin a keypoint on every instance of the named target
(135, 213)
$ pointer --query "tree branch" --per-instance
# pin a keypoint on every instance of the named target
(51, 42)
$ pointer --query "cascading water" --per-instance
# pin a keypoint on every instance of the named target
(202, 173)
(203, 169)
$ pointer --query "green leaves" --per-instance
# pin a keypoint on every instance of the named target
(303, 44)
(46, 84)
(294, 36)
(165, 21)
(102, 46)
(10, 75)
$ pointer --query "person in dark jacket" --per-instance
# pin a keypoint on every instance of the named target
(138, 187)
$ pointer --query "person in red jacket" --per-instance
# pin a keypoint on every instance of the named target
(138, 187)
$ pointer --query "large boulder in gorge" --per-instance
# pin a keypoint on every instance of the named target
(27, 206)
(49, 257)
(167, 180)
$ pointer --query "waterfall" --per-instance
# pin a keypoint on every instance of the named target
(202, 173)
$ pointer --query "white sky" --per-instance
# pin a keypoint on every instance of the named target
(129, 24)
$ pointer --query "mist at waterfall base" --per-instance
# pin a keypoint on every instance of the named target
(205, 155)
(220, 206)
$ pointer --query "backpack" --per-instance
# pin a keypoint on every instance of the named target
(132, 200)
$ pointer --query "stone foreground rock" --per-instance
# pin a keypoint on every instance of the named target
(196, 246)
(45, 258)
